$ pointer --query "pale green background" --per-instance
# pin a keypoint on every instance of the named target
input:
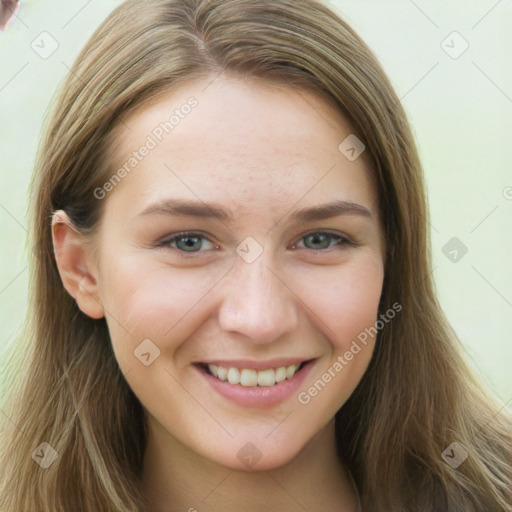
(460, 109)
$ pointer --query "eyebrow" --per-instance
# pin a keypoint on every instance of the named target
(214, 211)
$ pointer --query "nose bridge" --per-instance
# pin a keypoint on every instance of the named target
(257, 304)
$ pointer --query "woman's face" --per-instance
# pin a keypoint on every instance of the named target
(265, 277)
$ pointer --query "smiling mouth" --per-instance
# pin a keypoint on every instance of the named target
(249, 377)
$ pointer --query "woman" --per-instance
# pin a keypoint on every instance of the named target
(232, 298)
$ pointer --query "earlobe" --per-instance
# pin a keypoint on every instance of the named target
(74, 261)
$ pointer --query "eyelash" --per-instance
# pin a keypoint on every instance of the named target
(165, 243)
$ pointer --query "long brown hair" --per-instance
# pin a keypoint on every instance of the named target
(417, 396)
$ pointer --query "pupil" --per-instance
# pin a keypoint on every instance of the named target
(319, 238)
(191, 242)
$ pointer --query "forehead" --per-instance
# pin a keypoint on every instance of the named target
(250, 144)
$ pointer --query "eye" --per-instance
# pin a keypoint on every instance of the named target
(187, 242)
(321, 240)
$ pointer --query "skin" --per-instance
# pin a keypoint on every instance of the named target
(261, 152)
(8, 9)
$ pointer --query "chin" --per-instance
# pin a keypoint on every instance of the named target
(259, 455)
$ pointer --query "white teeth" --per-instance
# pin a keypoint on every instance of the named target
(266, 378)
(222, 373)
(233, 376)
(280, 374)
(290, 370)
(250, 378)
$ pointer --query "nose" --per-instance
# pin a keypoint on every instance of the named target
(257, 303)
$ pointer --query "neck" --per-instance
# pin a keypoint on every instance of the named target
(178, 479)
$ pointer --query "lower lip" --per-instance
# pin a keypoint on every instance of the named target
(257, 396)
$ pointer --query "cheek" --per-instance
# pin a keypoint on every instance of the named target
(148, 300)
(347, 312)
(345, 299)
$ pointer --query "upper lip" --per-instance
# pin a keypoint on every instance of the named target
(256, 365)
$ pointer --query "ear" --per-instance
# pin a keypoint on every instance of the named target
(75, 263)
